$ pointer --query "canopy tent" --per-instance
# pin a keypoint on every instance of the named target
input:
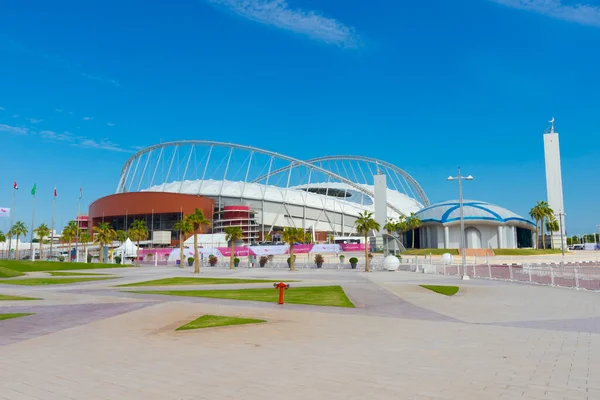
(208, 240)
(126, 250)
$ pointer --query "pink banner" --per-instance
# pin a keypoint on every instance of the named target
(238, 251)
(160, 252)
(352, 247)
(302, 248)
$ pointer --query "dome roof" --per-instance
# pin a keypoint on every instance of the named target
(474, 211)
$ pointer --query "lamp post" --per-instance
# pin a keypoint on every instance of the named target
(460, 178)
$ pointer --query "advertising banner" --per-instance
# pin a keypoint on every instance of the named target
(352, 247)
(238, 251)
(302, 248)
(326, 248)
(269, 250)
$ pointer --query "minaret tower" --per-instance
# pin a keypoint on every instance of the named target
(554, 182)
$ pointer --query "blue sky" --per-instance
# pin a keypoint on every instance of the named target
(428, 86)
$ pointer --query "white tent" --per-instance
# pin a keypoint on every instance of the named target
(208, 240)
(126, 250)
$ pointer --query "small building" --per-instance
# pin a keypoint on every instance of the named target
(486, 226)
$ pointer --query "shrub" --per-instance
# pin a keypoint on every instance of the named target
(342, 258)
(353, 260)
(288, 259)
(263, 260)
(236, 261)
(89, 258)
(190, 261)
(319, 259)
(212, 260)
(370, 256)
(270, 257)
(118, 259)
(61, 258)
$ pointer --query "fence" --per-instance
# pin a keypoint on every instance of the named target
(584, 275)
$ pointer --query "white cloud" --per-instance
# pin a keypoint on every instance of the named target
(88, 118)
(102, 145)
(585, 14)
(2, 108)
(13, 130)
(58, 110)
(278, 13)
(15, 115)
(110, 124)
(35, 120)
(102, 79)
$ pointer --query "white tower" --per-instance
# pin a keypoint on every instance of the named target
(380, 198)
(554, 181)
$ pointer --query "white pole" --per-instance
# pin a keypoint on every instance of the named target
(12, 213)
(32, 229)
(462, 229)
(77, 232)
(52, 223)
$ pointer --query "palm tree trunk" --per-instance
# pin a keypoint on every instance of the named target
(537, 237)
(16, 249)
(196, 260)
(292, 265)
(232, 256)
(137, 254)
(366, 253)
(181, 250)
(413, 239)
(543, 238)
(101, 253)
(41, 244)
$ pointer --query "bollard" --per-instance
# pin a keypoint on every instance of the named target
(281, 286)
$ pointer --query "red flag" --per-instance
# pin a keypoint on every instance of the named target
(15, 186)
(55, 191)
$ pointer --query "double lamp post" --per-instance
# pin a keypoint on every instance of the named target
(460, 178)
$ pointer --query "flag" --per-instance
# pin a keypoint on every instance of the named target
(33, 189)
(54, 191)
(4, 212)
(15, 186)
(80, 193)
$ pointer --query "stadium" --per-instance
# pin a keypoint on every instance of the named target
(259, 190)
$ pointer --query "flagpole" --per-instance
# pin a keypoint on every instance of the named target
(32, 229)
(77, 236)
(52, 227)
(12, 213)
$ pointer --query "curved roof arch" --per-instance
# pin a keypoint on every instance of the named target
(141, 164)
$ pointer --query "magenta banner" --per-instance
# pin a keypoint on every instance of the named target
(238, 251)
(302, 248)
(352, 247)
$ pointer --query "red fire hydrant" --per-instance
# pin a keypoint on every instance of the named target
(281, 286)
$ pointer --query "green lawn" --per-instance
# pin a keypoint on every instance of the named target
(211, 321)
(525, 252)
(10, 316)
(9, 273)
(445, 290)
(58, 273)
(426, 252)
(332, 296)
(198, 281)
(48, 281)
(7, 297)
(36, 266)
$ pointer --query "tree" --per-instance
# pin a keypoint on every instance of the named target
(390, 226)
(138, 231)
(42, 232)
(233, 234)
(2, 237)
(185, 228)
(85, 238)
(552, 226)
(539, 213)
(365, 224)
(197, 220)
(103, 234)
(413, 222)
(121, 236)
(69, 234)
(292, 236)
(17, 230)
(307, 237)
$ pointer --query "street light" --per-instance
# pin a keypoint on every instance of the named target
(562, 242)
(460, 178)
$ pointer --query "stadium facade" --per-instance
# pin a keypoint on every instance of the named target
(260, 191)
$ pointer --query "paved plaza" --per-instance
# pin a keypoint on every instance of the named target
(493, 340)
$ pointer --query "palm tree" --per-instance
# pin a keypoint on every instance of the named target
(232, 234)
(85, 238)
(547, 213)
(552, 226)
(69, 234)
(2, 237)
(42, 231)
(539, 213)
(365, 224)
(197, 220)
(308, 237)
(138, 231)
(291, 236)
(413, 223)
(121, 236)
(103, 234)
(185, 228)
(17, 230)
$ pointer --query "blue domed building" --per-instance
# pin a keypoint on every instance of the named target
(486, 226)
